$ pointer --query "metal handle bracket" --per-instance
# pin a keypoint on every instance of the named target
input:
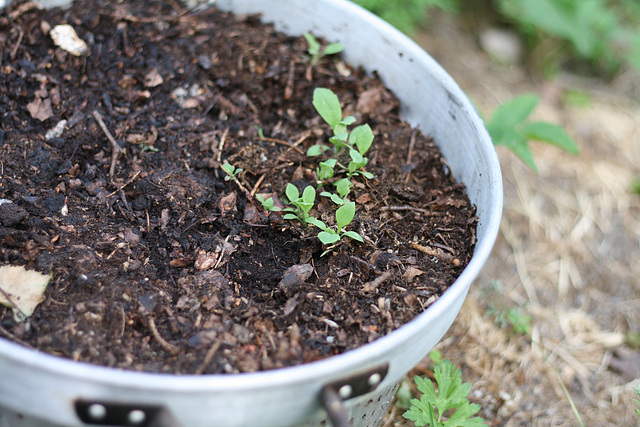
(334, 393)
(118, 414)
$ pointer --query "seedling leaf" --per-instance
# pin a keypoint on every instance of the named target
(367, 175)
(292, 192)
(315, 221)
(328, 238)
(345, 214)
(327, 105)
(362, 137)
(316, 150)
(333, 48)
(353, 235)
(314, 46)
(343, 186)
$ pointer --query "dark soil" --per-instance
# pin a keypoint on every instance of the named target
(165, 266)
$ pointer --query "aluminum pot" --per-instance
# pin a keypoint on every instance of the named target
(356, 387)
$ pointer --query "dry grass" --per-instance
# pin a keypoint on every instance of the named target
(568, 255)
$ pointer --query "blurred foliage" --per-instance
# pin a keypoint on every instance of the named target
(604, 34)
(592, 36)
(407, 15)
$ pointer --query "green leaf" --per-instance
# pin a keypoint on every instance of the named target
(552, 134)
(358, 160)
(517, 143)
(316, 150)
(353, 235)
(367, 175)
(228, 168)
(345, 214)
(331, 163)
(339, 140)
(309, 195)
(343, 186)
(292, 193)
(314, 46)
(315, 221)
(333, 48)
(361, 137)
(348, 120)
(325, 169)
(328, 238)
(290, 216)
(513, 112)
(327, 105)
(334, 197)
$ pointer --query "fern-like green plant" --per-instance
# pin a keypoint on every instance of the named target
(446, 406)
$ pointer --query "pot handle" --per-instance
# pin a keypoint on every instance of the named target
(334, 393)
(118, 414)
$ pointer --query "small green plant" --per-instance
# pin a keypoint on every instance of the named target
(638, 400)
(509, 126)
(516, 319)
(325, 170)
(434, 406)
(358, 141)
(302, 204)
(316, 52)
(268, 205)
(343, 186)
(635, 186)
(331, 236)
(231, 171)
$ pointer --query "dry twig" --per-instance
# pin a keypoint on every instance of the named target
(163, 343)
(436, 252)
(209, 356)
(115, 148)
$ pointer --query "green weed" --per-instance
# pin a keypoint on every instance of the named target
(509, 126)
(448, 406)
(317, 52)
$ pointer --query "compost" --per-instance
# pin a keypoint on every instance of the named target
(111, 180)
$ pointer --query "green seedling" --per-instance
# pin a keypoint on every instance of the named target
(358, 141)
(325, 170)
(328, 106)
(334, 198)
(302, 204)
(638, 401)
(519, 322)
(343, 186)
(316, 52)
(509, 126)
(267, 205)
(635, 186)
(434, 408)
(331, 236)
(231, 171)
